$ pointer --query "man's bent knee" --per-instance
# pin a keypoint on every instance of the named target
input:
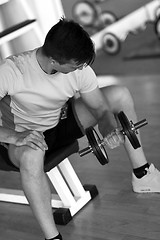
(26, 158)
(118, 98)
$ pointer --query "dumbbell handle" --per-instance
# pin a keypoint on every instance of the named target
(137, 125)
(140, 124)
(85, 151)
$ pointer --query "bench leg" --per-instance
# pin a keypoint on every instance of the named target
(71, 195)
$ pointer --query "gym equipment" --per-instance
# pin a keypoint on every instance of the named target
(96, 144)
(111, 44)
(90, 15)
(70, 197)
(18, 29)
(110, 38)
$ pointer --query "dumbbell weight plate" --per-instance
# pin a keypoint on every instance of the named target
(97, 148)
(127, 130)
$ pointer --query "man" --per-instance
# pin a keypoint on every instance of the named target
(34, 87)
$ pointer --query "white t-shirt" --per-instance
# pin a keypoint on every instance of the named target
(33, 99)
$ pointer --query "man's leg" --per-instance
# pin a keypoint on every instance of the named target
(119, 99)
(35, 186)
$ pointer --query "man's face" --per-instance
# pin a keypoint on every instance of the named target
(68, 67)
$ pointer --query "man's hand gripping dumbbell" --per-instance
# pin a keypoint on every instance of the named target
(112, 139)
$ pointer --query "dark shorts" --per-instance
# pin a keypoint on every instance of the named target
(66, 132)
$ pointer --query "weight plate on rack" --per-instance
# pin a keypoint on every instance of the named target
(85, 13)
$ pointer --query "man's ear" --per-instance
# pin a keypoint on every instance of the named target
(53, 61)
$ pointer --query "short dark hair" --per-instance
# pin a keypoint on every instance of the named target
(66, 41)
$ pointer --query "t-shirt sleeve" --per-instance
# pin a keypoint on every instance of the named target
(87, 80)
(7, 76)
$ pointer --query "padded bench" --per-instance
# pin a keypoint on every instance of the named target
(70, 195)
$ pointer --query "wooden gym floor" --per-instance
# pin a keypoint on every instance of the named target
(116, 213)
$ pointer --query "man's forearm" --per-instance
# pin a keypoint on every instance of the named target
(106, 123)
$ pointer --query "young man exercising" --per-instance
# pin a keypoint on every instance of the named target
(34, 86)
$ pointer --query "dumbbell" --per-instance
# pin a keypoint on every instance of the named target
(96, 144)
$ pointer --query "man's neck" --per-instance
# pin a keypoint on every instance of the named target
(43, 62)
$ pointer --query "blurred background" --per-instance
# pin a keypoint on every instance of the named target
(139, 53)
(136, 52)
